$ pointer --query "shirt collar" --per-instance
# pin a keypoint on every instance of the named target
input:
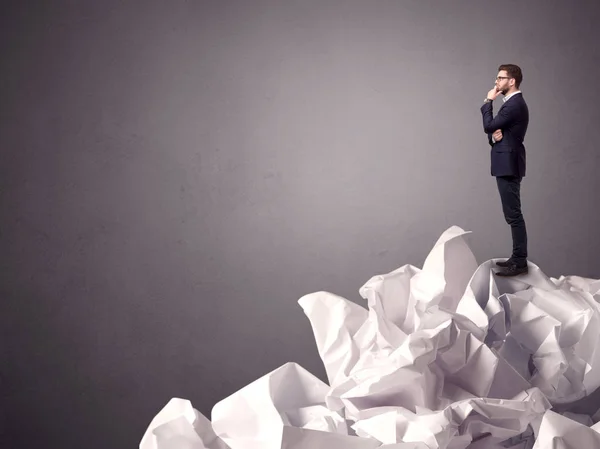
(505, 99)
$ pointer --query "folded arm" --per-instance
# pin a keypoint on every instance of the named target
(503, 119)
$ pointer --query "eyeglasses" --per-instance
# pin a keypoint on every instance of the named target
(498, 78)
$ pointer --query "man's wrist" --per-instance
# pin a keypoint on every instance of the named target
(488, 100)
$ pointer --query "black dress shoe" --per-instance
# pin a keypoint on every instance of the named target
(513, 270)
(505, 264)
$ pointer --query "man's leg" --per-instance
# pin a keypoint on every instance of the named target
(509, 188)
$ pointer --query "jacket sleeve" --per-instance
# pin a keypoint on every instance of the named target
(506, 116)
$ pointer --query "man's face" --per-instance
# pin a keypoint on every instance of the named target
(503, 82)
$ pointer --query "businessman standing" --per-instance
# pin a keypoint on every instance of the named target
(506, 133)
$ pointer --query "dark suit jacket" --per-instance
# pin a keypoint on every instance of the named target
(508, 155)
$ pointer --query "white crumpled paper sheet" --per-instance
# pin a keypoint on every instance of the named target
(449, 356)
(559, 432)
(178, 425)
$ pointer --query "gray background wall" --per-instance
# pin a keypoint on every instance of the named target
(175, 175)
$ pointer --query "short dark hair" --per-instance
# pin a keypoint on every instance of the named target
(514, 71)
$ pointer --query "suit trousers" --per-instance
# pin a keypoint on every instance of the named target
(509, 188)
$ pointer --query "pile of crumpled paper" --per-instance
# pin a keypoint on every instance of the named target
(445, 357)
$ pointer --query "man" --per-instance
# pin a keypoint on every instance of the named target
(506, 133)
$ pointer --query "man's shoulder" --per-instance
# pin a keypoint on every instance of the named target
(517, 101)
(519, 98)
(520, 101)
